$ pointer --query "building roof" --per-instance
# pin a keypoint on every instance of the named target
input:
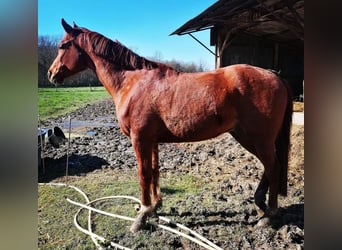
(279, 20)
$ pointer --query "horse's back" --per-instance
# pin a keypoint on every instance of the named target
(199, 106)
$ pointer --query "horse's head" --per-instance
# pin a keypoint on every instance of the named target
(71, 58)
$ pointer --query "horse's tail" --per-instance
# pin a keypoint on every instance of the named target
(283, 141)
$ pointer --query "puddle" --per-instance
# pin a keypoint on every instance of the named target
(91, 132)
(93, 123)
(80, 128)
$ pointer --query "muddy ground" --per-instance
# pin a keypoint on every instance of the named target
(232, 174)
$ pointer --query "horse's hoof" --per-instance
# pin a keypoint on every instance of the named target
(154, 214)
(138, 223)
(158, 204)
(264, 222)
(260, 213)
(269, 218)
(135, 227)
(260, 201)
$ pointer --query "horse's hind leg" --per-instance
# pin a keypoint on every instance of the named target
(155, 189)
(271, 177)
(245, 141)
(260, 193)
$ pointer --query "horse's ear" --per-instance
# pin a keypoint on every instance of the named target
(68, 29)
(75, 26)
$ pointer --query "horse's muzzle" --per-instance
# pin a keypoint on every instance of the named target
(53, 78)
(49, 75)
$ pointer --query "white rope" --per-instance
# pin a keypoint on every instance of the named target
(211, 245)
(89, 214)
(192, 232)
(200, 241)
(93, 235)
(100, 211)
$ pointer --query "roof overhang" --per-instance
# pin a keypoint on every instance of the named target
(278, 20)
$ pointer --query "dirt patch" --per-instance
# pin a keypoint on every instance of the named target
(207, 186)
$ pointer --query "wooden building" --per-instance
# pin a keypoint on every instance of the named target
(264, 33)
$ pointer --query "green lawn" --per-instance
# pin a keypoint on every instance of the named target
(53, 103)
(56, 229)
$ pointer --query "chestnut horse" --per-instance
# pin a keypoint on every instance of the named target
(156, 104)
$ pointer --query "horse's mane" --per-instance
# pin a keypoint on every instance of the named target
(121, 56)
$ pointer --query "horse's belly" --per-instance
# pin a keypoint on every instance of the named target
(186, 130)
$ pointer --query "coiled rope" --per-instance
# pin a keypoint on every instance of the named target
(190, 235)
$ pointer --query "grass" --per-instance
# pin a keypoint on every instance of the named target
(55, 215)
(55, 102)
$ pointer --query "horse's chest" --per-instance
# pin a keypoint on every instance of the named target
(124, 122)
(125, 128)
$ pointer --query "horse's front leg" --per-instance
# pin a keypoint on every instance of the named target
(155, 188)
(143, 152)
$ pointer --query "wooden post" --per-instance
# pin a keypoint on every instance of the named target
(218, 57)
(218, 51)
(224, 38)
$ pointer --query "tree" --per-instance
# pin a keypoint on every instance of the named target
(47, 52)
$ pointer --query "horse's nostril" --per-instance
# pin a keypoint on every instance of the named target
(48, 74)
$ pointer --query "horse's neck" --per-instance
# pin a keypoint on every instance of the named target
(110, 77)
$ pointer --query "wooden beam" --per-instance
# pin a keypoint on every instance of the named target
(282, 20)
(295, 14)
(202, 44)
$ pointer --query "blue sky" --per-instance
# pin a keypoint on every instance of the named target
(142, 25)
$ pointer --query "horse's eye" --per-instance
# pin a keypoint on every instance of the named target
(65, 45)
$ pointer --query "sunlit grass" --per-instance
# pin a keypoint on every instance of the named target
(55, 215)
(55, 102)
